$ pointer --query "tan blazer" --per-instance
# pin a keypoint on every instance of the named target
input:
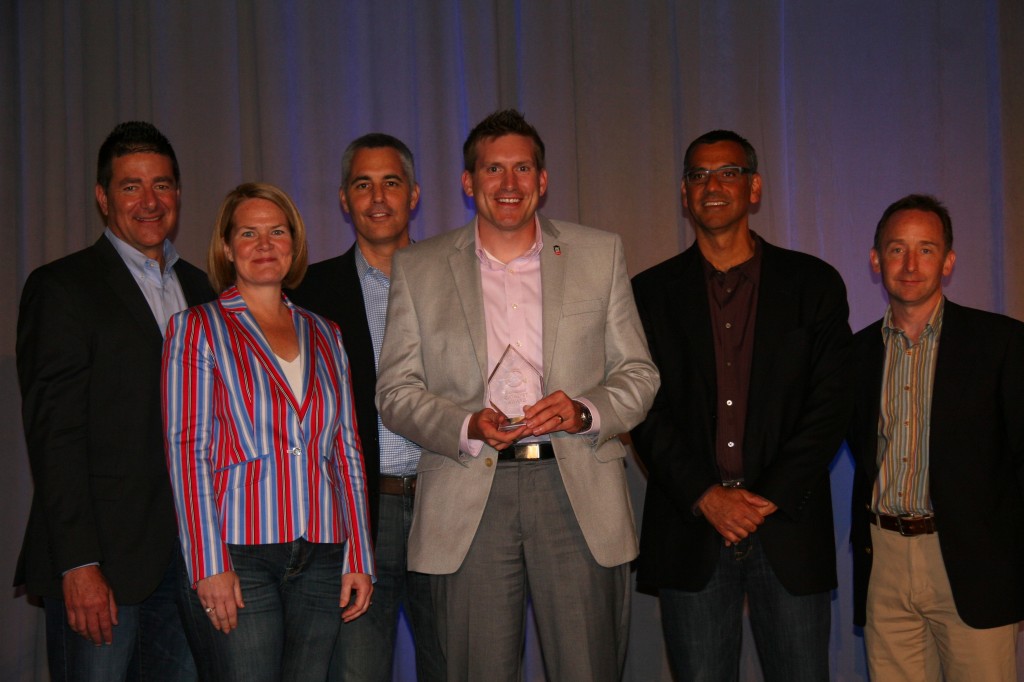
(433, 373)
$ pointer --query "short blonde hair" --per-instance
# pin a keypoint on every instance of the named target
(222, 271)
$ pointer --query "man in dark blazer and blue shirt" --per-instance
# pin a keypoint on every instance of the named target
(378, 193)
(938, 439)
(751, 343)
(101, 547)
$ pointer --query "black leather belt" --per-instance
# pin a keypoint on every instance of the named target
(905, 525)
(398, 485)
(527, 452)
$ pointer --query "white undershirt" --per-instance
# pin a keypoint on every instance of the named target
(293, 373)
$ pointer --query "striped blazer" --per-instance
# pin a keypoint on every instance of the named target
(250, 463)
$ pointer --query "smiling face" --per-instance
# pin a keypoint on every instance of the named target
(260, 244)
(913, 259)
(141, 204)
(379, 197)
(718, 207)
(506, 184)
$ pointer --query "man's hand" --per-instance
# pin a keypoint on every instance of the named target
(356, 589)
(734, 512)
(555, 412)
(221, 596)
(484, 425)
(90, 605)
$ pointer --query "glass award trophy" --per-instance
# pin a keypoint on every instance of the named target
(514, 384)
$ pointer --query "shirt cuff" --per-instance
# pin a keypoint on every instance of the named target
(471, 447)
(91, 563)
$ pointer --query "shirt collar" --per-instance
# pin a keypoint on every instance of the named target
(363, 266)
(749, 269)
(489, 261)
(931, 328)
(138, 263)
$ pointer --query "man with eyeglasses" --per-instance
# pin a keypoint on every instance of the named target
(751, 341)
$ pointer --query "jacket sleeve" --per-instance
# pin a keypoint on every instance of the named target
(188, 413)
(349, 469)
(817, 432)
(631, 379)
(54, 370)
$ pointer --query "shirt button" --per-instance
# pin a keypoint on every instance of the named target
(488, 462)
(728, 325)
(515, 306)
(906, 388)
(295, 451)
(731, 444)
(729, 403)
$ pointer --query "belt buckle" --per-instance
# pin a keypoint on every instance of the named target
(528, 451)
(907, 531)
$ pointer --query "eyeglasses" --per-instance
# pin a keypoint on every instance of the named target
(726, 175)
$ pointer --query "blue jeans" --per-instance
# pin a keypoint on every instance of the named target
(703, 630)
(365, 647)
(290, 621)
(148, 643)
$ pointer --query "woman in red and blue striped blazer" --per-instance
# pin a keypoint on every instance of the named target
(264, 457)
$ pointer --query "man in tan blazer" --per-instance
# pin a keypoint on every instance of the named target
(540, 507)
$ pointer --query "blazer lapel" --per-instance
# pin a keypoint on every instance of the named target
(304, 332)
(249, 331)
(120, 280)
(465, 268)
(773, 300)
(552, 269)
(692, 320)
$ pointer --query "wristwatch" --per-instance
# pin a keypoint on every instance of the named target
(586, 419)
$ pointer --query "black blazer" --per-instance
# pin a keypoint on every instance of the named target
(331, 288)
(797, 413)
(975, 461)
(88, 355)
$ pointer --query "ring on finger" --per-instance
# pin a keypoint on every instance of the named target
(560, 418)
(209, 609)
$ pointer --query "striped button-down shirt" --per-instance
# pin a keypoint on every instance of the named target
(904, 418)
(251, 463)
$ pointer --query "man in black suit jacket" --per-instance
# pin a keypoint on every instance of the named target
(938, 438)
(751, 343)
(378, 192)
(101, 546)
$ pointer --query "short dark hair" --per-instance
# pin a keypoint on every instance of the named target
(917, 202)
(499, 124)
(713, 136)
(132, 137)
(376, 141)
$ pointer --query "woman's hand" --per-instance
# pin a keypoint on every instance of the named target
(221, 596)
(356, 589)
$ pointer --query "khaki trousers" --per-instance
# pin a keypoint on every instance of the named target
(913, 631)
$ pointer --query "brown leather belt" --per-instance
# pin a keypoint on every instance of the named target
(398, 485)
(905, 525)
(527, 452)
